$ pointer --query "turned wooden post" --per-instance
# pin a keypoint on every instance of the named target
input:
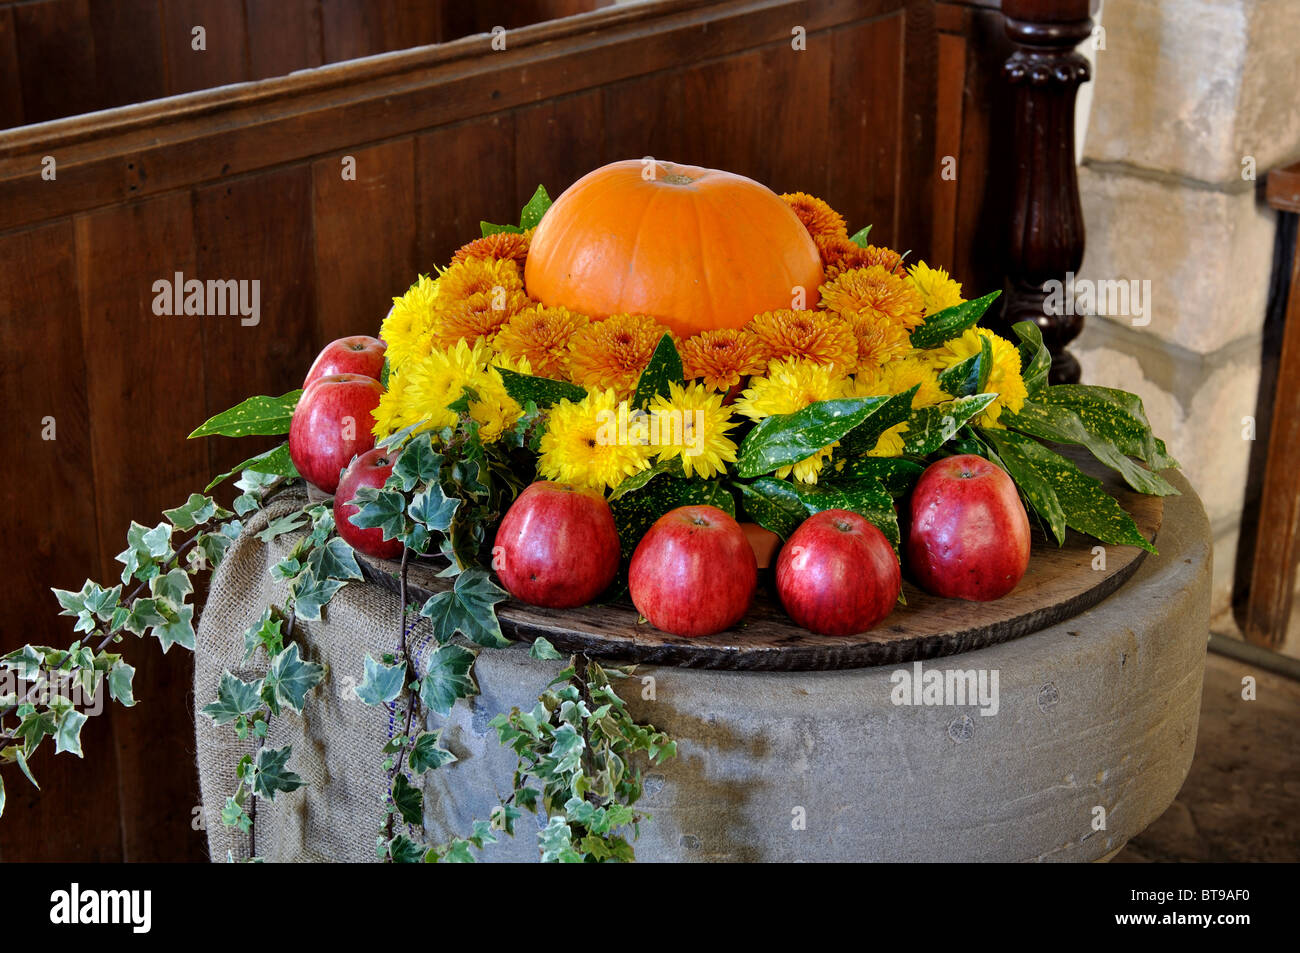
(1046, 238)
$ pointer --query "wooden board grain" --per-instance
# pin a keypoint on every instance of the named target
(1061, 583)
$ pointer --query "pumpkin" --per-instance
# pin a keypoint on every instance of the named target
(695, 248)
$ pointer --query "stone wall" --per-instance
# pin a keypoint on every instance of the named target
(1193, 102)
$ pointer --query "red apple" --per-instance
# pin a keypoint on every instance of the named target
(332, 424)
(372, 468)
(557, 546)
(693, 573)
(969, 534)
(358, 354)
(837, 574)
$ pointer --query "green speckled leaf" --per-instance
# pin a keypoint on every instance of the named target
(1064, 425)
(773, 505)
(543, 391)
(951, 322)
(782, 501)
(784, 439)
(1088, 507)
(532, 213)
(672, 467)
(1035, 359)
(898, 475)
(1018, 459)
(863, 437)
(963, 378)
(636, 511)
(256, 416)
(929, 428)
(665, 368)
(1115, 415)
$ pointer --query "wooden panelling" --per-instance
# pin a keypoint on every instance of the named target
(283, 36)
(48, 498)
(257, 229)
(354, 28)
(127, 55)
(49, 32)
(144, 381)
(865, 125)
(556, 143)
(247, 184)
(465, 174)
(11, 84)
(224, 55)
(947, 144)
(365, 237)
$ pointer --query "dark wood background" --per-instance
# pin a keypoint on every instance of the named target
(244, 182)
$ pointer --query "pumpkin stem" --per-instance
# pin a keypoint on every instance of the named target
(676, 178)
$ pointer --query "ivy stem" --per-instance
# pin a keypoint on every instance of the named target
(411, 695)
(108, 636)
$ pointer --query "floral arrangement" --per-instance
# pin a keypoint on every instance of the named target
(876, 369)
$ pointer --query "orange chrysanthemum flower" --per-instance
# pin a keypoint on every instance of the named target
(876, 294)
(841, 254)
(542, 336)
(808, 335)
(612, 353)
(820, 219)
(879, 342)
(475, 319)
(504, 246)
(721, 357)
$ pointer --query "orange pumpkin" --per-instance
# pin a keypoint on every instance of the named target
(695, 248)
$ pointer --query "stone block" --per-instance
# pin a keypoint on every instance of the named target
(1206, 254)
(1191, 87)
(1198, 406)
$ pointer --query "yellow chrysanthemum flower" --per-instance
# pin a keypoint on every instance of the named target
(788, 386)
(899, 376)
(691, 424)
(612, 353)
(423, 389)
(584, 444)
(542, 336)
(876, 294)
(879, 342)
(936, 288)
(409, 320)
(1004, 376)
(806, 335)
(721, 357)
(820, 219)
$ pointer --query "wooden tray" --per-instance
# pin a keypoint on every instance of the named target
(1060, 583)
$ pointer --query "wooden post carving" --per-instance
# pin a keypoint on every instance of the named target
(1046, 238)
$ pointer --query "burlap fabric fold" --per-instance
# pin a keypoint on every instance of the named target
(337, 740)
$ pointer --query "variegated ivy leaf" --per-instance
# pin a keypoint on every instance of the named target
(543, 650)
(408, 799)
(469, 607)
(67, 735)
(447, 678)
(282, 525)
(334, 560)
(289, 679)
(196, 511)
(403, 850)
(310, 595)
(26, 662)
(143, 616)
(381, 509)
(381, 683)
(180, 631)
(419, 463)
(235, 697)
(120, 689)
(271, 773)
(234, 815)
(555, 841)
(266, 634)
(432, 507)
(427, 755)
